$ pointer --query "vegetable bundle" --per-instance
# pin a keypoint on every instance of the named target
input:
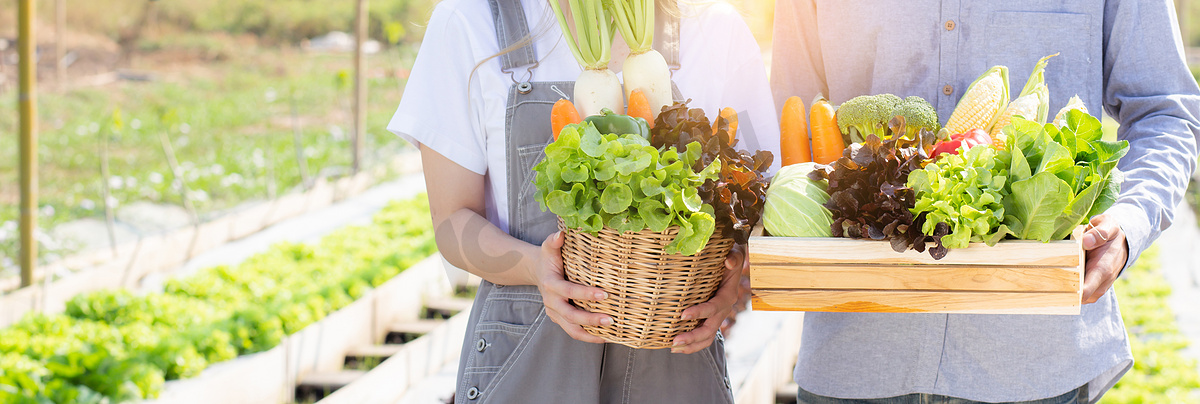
(999, 170)
(593, 180)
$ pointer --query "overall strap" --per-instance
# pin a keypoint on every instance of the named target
(666, 40)
(508, 17)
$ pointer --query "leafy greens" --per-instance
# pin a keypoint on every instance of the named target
(1059, 177)
(738, 195)
(869, 194)
(964, 193)
(592, 181)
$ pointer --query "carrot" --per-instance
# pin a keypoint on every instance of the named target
(827, 142)
(639, 107)
(562, 114)
(730, 116)
(793, 133)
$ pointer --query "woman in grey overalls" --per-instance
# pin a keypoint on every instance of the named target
(523, 342)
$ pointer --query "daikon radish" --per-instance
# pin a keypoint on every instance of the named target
(597, 87)
(644, 69)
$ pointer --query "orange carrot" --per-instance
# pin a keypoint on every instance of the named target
(639, 107)
(827, 142)
(562, 114)
(730, 116)
(793, 133)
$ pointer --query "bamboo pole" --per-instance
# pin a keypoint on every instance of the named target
(27, 97)
(360, 91)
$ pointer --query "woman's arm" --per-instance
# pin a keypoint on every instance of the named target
(468, 241)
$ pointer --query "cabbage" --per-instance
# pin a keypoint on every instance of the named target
(795, 204)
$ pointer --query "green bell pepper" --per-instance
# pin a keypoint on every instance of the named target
(609, 122)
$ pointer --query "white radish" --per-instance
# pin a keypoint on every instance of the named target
(596, 87)
(648, 71)
(644, 69)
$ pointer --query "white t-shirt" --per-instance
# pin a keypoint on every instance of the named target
(720, 66)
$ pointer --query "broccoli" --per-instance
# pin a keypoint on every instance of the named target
(918, 114)
(865, 115)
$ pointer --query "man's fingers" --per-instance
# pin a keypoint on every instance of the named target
(1101, 230)
(1102, 267)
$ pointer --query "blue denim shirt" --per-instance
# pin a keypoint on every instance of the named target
(1121, 57)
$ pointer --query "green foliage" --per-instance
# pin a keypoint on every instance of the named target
(866, 115)
(964, 191)
(1161, 373)
(592, 181)
(918, 115)
(1060, 177)
(280, 21)
(117, 346)
(231, 129)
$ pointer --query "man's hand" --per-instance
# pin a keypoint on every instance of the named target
(716, 309)
(1107, 252)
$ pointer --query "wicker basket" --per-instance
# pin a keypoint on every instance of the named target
(648, 290)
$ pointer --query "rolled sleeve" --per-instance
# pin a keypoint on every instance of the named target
(1151, 92)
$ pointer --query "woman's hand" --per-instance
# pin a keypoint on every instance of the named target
(716, 309)
(1107, 252)
(556, 292)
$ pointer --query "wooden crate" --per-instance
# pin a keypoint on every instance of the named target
(846, 275)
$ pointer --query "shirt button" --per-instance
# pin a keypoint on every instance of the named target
(473, 393)
(480, 345)
(949, 25)
(948, 89)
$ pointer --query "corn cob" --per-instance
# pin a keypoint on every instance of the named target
(1033, 103)
(1060, 119)
(982, 102)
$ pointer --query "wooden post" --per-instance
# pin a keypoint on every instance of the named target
(360, 91)
(27, 97)
(60, 23)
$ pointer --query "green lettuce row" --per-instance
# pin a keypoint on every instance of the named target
(592, 181)
(116, 346)
(1161, 372)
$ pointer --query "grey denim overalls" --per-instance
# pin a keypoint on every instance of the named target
(512, 352)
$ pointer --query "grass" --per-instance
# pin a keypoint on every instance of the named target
(1160, 374)
(230, 125)
(275, 21)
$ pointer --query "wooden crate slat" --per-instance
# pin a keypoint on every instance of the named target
(897, 301)
(981, 278)
(850, 251)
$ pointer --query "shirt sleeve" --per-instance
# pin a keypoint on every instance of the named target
(797, 65)
(435, 110)
(1149, 90)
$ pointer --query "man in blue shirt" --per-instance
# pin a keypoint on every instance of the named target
(1121, 57)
